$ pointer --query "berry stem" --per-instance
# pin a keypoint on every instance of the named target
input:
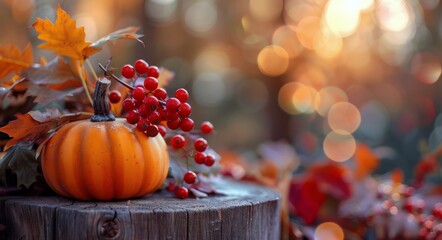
(102, 111)
(108, 74)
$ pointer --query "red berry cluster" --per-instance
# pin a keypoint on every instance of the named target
(427, 218)
(196, 151)
(151, 109)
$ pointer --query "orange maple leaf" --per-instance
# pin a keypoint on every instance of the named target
(63, 37)
(35, 125)
(14, 60)
(24, 128)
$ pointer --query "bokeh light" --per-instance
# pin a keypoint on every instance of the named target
(393, 15)
(426, 67)
(297, 98)
(286, 38)
(201, 16)
(342, 16)
(307, 29)
(265, 10)
(344, 117)
(273, 60)
(327, 97)
(327, 44)
(328, 231)
(339, 147)
(212, 60)
(161, 11)
(310, 74)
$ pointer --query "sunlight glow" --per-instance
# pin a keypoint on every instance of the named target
(342, 16)
(393, 15)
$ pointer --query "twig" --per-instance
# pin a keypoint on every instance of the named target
(107, 73)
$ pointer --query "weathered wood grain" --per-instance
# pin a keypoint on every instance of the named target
(247, 212)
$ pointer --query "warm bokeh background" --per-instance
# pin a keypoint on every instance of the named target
(320, 74)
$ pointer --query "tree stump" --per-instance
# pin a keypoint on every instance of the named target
(246, 212)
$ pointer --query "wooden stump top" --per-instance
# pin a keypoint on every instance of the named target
(246, 212)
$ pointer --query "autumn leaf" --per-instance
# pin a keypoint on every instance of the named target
(55, 72)
(63, 36)
(14, 60)
(34, 126)
(125, 33)
(366, 161)
(333, 179)
(20, 159)
(44, 95)
(306, 199)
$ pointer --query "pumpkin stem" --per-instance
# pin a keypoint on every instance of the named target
(102, 111)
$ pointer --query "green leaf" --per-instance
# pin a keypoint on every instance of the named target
(20, 159)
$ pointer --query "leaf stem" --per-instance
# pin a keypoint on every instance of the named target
(92, 69)
(108, 73)
(80, 70)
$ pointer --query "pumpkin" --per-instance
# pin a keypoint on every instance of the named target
(104, 158)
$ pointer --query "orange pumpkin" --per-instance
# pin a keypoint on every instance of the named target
(104, 160)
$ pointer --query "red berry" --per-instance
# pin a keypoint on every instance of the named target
(172, 104)
(163, 114)
(200, 144)
(142, 124)
(437, 210)
(114, 96)
(178, 141)
(141, 66)
(209, 160)
(189, 177)
(172, 116)
(128, 105)
(138, 94)
(171, 187)
(199, 157)
(407, 192)
(175, 124)
(162, 130)
(150, 83)
(151, 102)
(152, 131)
(154, 118)
(182, 192)
(153, 72)
(160, 93)
(132, 117)
(127, 71)
(138, 103)
(182, 95)
(144, 111)
(206, 127)
(186, 124)
(185, 110)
